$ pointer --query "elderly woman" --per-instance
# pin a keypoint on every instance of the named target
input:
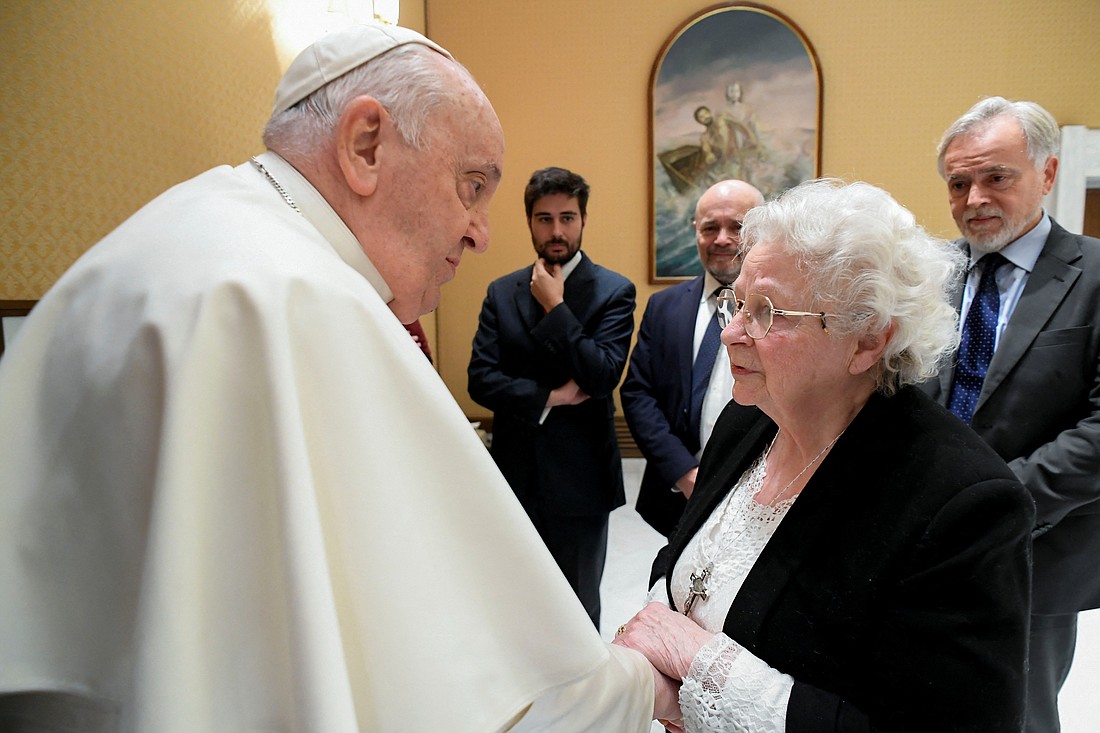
(853, 558)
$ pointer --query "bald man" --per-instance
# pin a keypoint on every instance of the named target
(675, 359)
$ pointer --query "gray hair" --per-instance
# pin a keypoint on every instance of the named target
(865, 258)
(1041, 131)
(406, 81)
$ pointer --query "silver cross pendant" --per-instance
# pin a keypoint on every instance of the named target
(698, 589)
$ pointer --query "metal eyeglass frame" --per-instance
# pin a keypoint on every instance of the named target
(725, 315)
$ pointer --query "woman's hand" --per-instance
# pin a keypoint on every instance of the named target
(668, 639)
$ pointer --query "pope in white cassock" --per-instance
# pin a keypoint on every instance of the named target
(234, 496)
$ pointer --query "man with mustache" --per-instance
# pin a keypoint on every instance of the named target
(550, 348)
(679, 376)
(1026, 378)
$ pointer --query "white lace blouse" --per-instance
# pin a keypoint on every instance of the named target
(728, 688)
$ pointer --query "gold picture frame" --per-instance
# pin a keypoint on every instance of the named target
(736, 92)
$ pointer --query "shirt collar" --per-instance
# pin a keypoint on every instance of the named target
(568, 267)
(1026, 250)
(317, 212)
(710, 284)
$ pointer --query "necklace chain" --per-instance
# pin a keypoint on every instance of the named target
(704, 561)
(698, 588)
(278, 186)
(813, 460)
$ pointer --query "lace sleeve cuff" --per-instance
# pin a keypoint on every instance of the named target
(729, 689)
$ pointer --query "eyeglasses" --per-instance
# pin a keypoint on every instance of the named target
(757, 313)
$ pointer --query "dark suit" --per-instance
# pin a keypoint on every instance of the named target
(567, 472)
(1039, 408)
(656, 397)
(895, 591)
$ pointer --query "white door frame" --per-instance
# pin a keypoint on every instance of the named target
(1078, 170)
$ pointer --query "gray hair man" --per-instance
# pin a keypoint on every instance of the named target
(1027, 373)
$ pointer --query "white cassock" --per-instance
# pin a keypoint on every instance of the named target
(235, 496)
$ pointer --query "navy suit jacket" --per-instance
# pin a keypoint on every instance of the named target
(895, 590)
(656, 397)
(1039, 408)
(570, 465)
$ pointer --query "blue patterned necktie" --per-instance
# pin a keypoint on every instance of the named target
(978, 335)
(701, 368)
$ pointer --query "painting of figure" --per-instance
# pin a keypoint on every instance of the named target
(736, 93)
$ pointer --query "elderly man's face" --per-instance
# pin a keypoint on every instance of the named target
(996, 193)
(438, 199)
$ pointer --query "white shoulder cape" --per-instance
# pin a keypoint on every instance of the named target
(235, 496)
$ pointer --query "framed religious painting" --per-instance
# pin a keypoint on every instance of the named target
(735, 93)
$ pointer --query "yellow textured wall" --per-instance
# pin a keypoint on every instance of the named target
(570, 79)
(104, 104)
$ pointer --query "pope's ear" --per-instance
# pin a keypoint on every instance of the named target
(358, 143)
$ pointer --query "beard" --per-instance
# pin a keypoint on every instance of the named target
(557, 258)
(724, 270)
(1012, 228)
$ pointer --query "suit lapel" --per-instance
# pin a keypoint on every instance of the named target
(830, 492)
(808, 518)
(947, 373)
(739, 436)
(580, 289)
(580, 293)
(685, 318)
(530, 312)
(1046, 287)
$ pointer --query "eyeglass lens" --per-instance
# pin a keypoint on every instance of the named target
(756, 312)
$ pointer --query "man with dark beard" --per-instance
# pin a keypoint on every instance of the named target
(550, 348)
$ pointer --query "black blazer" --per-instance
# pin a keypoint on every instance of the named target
(895, 591)
(570, 465)
(1040, 410)
(656, 397)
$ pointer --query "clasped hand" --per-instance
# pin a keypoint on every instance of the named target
(569, 393)
(669, 641)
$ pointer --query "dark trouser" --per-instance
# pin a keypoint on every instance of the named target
(1050, 655)
(579, 545)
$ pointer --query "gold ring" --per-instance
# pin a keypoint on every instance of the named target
(621, 630)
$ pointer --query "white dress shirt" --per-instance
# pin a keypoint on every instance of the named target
(1022, 254)
(720, 388)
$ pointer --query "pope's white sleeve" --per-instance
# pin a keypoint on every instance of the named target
(617, 695)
